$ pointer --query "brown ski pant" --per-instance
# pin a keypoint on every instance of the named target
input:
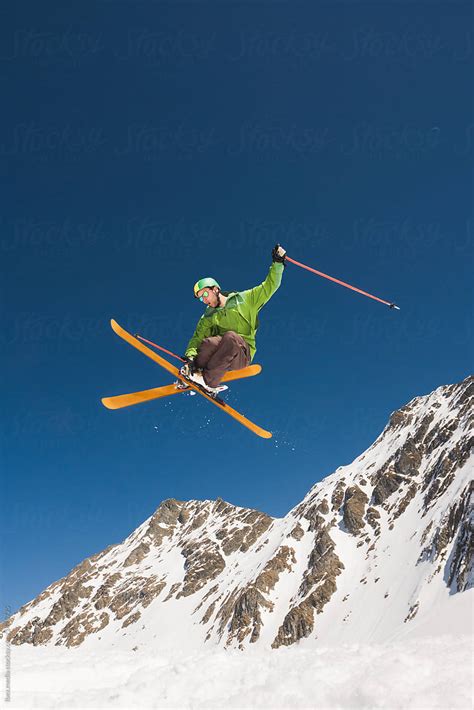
(220, 353)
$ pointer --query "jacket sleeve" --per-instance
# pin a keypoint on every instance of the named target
(203, 330)
(261, 294)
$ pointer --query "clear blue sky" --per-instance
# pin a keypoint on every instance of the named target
(148, 144)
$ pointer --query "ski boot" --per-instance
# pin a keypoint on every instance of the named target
(196, 377)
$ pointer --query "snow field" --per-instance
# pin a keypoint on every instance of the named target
(424, 673)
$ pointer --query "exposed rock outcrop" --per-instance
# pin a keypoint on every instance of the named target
(203, 564)
(320, 576)
(355, 501)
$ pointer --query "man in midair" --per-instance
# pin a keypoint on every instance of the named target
(225, 335)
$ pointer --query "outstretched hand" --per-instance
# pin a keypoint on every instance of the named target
(279, 254)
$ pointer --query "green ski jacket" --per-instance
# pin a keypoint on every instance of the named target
(239, 314)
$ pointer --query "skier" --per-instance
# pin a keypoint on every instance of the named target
(225, 335)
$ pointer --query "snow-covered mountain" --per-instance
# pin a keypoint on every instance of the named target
(377, 547)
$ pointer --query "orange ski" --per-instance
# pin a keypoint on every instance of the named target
(175, 372)
(126, 400)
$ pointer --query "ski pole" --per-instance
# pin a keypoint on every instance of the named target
(159, 347)
(342, 283)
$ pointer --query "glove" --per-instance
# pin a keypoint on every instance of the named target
(188, 366)
(279, 254)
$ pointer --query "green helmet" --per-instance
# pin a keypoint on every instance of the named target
(202, 283)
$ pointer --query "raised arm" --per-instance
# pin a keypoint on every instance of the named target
(262, 293)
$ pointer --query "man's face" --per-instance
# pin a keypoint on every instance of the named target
(211, 299)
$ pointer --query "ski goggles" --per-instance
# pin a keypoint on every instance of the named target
(204, 295)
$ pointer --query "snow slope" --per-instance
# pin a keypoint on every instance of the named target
(417, 671)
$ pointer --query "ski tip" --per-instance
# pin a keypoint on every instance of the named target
(116, 327)
(106, 402)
